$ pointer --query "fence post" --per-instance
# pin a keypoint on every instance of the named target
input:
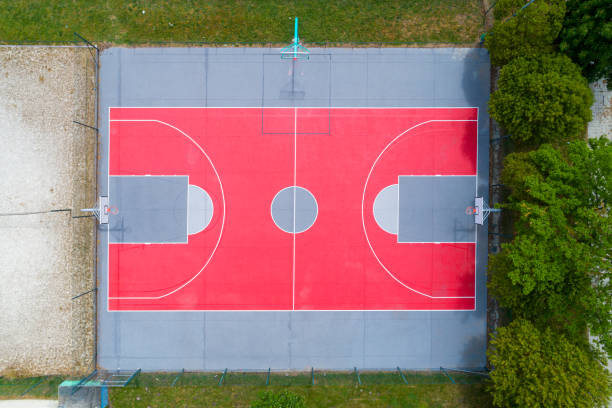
(84, 293)
(402, 375)
(222, 377)
(179, 375)
(444, 371)
(358, 377)
(132, 377)
(31, 387)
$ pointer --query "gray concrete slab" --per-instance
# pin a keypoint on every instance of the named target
(360, 77)
(432, 209)
(297, 82)
(152, 209)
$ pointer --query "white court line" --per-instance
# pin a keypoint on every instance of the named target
(294, 198)
(363, 209)
(292, 107)
(222, 200)
(187, 226)
(476, 229)
(289, 310)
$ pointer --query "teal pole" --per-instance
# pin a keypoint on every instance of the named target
(296, 38)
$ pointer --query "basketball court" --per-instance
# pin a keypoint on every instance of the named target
(290, 213)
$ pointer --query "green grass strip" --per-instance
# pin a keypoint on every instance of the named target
(242, 21)
(31, 387)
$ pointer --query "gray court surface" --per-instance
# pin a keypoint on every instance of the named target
(432, 209)
(256, 77)
(151, 209)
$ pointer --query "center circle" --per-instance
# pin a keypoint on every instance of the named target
(294, 209)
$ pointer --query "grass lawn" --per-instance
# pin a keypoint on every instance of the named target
(31, 387)
(422, 396)
(331, 389)
(248, 21)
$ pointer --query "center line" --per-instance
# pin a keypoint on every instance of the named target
(294, 195)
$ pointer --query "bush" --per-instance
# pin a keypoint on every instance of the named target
(542, 369)
(542, 99)
(558, 264)
(283, 399)
(530, 32)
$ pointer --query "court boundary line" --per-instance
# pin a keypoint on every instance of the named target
(287, 310)
(294, 199)
(363, 207)
(108, 232)
(292, 107)
(476, 229)
(223, 199)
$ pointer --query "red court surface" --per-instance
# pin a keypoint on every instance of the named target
(243, 157)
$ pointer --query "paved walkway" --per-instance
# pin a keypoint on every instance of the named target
(602, 111)
(27, 403)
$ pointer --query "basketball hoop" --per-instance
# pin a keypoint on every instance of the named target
(471, 210)
(111, 209)
(102, 210)
(480, 210)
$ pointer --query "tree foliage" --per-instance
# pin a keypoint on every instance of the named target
(587, 37)
(557, 270)
(528, 31)
(542, 99)
(534, 368)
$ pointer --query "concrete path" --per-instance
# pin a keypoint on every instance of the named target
(28, 404)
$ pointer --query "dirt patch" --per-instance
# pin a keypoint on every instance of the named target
(47, 163)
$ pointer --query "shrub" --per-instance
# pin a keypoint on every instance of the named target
(530, 32)
(534, 368)
(542, 99)
(283, 399)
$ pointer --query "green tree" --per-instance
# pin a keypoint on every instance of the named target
(534, 368)
(540, 99)
(587, 37)
(524, 31)
(557, 270)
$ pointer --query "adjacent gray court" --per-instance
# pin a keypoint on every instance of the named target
(256, 77)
